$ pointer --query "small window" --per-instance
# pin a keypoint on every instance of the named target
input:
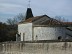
(36, 37)
(59, 38)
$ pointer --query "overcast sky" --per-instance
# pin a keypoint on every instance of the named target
(11, 8)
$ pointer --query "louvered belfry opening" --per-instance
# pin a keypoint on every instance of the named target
(29, 13)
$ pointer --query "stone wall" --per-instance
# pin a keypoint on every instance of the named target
(25, 31)
(36, 48)
(49, 33)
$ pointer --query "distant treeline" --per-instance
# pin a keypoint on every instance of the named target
(7, 32)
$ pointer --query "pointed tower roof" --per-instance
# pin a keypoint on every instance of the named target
(29, 13)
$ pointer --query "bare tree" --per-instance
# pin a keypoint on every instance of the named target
(59, 18)
(16, 19)
(10, 21)
(20, 17)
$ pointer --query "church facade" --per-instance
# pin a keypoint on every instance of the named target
(42, 28)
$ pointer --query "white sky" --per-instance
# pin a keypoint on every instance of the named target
(11, 8)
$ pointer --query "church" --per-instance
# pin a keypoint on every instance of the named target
(41, 28)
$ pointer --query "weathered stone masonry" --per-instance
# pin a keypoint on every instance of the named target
(36, 48)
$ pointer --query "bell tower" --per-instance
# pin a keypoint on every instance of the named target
(29, 13)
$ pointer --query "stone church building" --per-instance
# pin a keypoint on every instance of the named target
(41, 28)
